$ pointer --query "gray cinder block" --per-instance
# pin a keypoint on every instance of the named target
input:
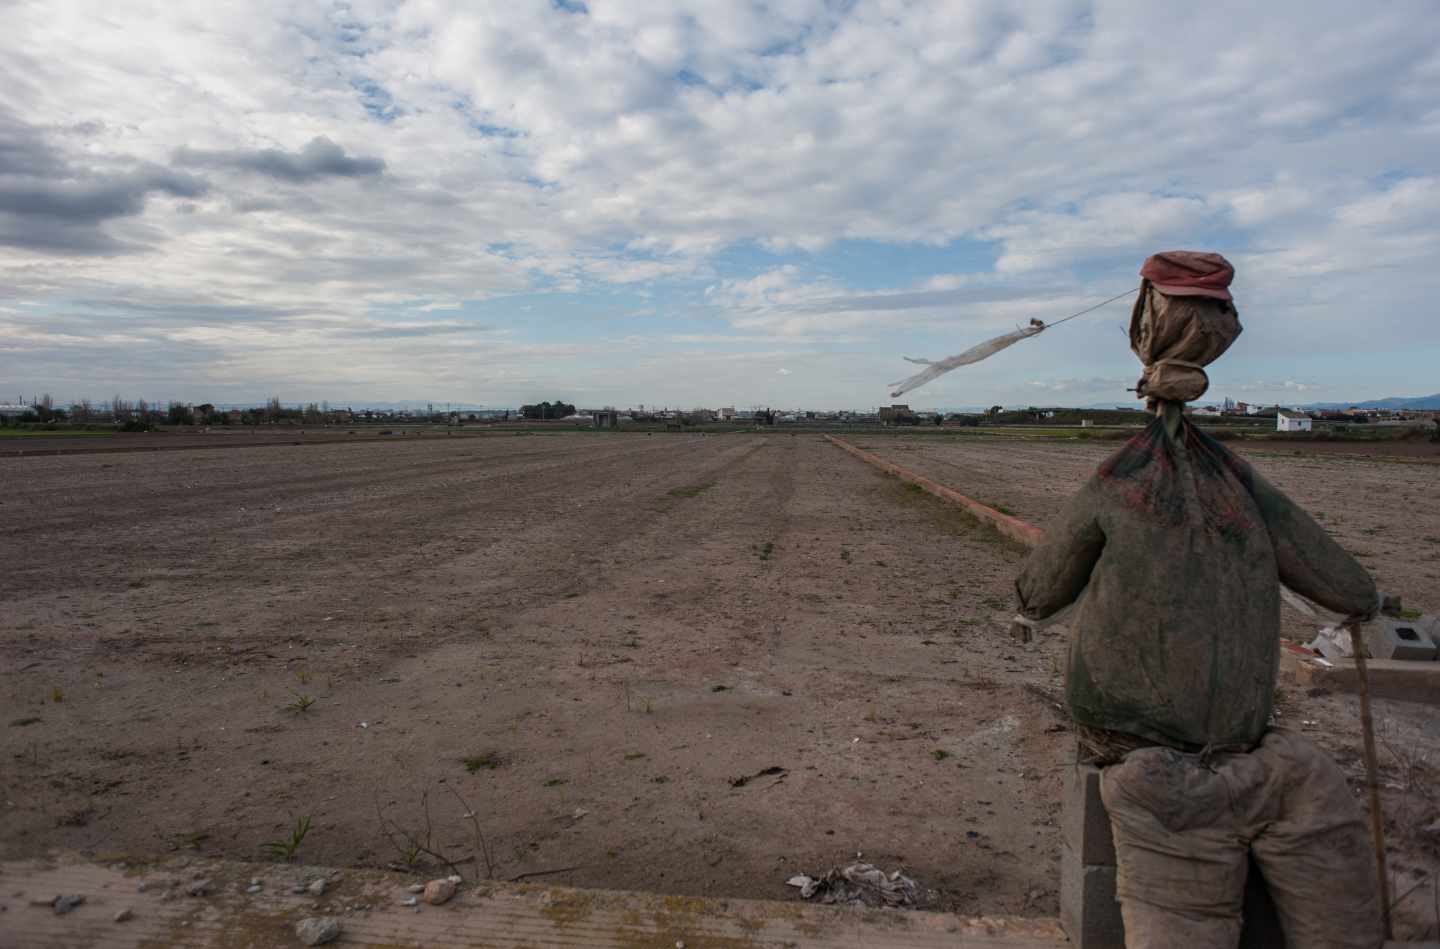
(1084, 822)
(1088, 909)
(1390, 638)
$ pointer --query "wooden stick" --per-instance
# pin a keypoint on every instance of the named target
(1372, 776)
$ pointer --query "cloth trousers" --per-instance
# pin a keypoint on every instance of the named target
(1185, 826)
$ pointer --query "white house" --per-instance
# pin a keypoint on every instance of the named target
(1288, 421)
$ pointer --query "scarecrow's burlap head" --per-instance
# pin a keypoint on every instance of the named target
(1183, 320)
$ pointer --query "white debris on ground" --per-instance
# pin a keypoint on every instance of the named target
(860, 884)
(1333, 642)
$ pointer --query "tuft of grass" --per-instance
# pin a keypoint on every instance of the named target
(302, 703)
(194, 839)
(939, 754)
(286, 848)
(57, 694)
(303, 675)
(767, 551)
(634, 755)
(845, 554)
(555, 782)
(477, 763)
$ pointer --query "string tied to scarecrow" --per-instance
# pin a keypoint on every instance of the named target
(1173, 333)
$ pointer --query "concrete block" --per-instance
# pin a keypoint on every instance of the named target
(1084, 822)
(1088, 910)
(1430, 629)
(1389, 679)
(1390, 638)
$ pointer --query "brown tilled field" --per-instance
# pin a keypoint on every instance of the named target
(592, 640)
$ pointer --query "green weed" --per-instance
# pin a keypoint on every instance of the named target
(286, 848)
(487, 762)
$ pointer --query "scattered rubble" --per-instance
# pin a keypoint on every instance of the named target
(774, 770)
(64, 903)
(860, 884)
(123, 915)
(438, 891)
(317, 930)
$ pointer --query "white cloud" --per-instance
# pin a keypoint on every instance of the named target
(345, 164)
(1113, 386)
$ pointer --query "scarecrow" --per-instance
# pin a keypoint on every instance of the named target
(1180, 549)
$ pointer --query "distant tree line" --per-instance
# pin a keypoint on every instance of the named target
(547, 410)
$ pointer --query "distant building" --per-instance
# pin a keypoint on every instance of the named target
(897, 415)
(1289, 421)
(10, 411)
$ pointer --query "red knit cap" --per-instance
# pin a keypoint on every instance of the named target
(1189, 273)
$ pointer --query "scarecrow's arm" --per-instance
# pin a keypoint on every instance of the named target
(1311, 562)
(1057, 571)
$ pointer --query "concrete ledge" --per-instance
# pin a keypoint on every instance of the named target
(1394, 679)
(1011, 527)
(368, 904)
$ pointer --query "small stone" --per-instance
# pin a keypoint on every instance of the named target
(65, 903)
(416, 888)
(142, 886)
(316, 888)
(455, 878)
(254, 888)
(199, 887)
(438, 891)
(123, 915)
(256, 881)
(317, 930)
(409, 901)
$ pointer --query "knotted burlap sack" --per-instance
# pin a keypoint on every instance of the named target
(1176, 337)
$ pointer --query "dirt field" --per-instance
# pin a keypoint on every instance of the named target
(590, 638)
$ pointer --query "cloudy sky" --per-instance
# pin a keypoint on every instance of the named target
(701, 203)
